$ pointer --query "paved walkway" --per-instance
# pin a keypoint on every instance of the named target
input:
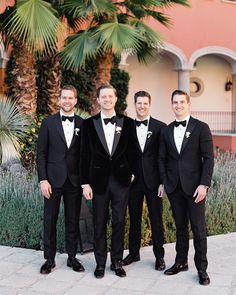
(19, 274)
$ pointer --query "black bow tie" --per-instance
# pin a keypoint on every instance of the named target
(138, 123)
(64, 118)
(112, 120)
(183, 123)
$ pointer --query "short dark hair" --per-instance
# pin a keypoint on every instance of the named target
(106, 86)
(180, 92)
(142, 93)
(69, 87)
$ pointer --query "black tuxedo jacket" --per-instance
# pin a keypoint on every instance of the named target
(194, 165)
(147, 164)
(55, 161)
(97, 164)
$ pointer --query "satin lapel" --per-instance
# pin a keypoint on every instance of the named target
(100, 132)
(118, 130)
(59, 127)
(136, 137)
(189, 130)
(149, 133)
(171, 136)
(76, 123)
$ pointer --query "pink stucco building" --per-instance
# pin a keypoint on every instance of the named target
(198, 56)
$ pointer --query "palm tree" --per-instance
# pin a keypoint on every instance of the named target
(13, 124)
(104, 28)
(31, 27)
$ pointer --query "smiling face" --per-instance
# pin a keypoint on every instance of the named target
(67, 101)
(107, 100)
(142, 107)
(180, 106)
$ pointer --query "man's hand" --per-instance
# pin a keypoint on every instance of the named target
(46, 189)
(161, 191)
(200, 193)
(87, 192)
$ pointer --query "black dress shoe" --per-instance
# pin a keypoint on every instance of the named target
(99, 272)
(130, 258)
(203, 278)
(75, 264)
(118, 269)
(160, 264)
(176, 268)
(47, 267)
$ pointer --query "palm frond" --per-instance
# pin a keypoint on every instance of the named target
(117, 36)
(79, 48)
(13, 124)
(80, 8)
(35, 23)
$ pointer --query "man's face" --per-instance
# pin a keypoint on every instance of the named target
(67, 101)
(142, 107)
(107, 99)
(180, 106)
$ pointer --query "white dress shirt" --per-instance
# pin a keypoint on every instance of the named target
(142, 132)
(179, 133)
(68, 128)
(109, 131)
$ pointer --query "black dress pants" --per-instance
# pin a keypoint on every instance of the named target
(115, 195)
(184, 209)
(155, 208)
(72, 203)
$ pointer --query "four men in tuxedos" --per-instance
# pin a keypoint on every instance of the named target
(58, 157)
(186, 165)
(146, 182)
(107, 156)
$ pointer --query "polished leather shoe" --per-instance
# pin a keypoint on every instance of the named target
(130, 258)
(118, 269)
(203, 278)
(47, 267)
(160, 264)
(176, 268)
(75, 264)
(99, 272)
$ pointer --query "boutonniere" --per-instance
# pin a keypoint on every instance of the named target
(149, 134)
(76, 130)
(118, 129)
(187, 134)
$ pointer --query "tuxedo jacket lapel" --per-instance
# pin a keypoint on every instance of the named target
(171, 136)
(118, 130)
(59, 127)
(189, 129)
(149, 133)
(100, 132)
(76, 124)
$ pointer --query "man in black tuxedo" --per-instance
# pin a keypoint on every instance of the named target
(186, 166)
(58, 156)
(146, 183)
(107, 155)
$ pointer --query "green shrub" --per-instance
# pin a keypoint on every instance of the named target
(21, 213)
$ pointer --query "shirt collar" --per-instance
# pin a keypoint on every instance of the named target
(104, 116)
(185, 119)
(147, 118)
(62, 114)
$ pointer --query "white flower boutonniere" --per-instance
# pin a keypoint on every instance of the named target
(149, 134)
(118, 129)
(77, 130)
(187, 134)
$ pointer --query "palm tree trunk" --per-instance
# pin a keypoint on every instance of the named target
(103, 76)
(24, 82)
(52, 77)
